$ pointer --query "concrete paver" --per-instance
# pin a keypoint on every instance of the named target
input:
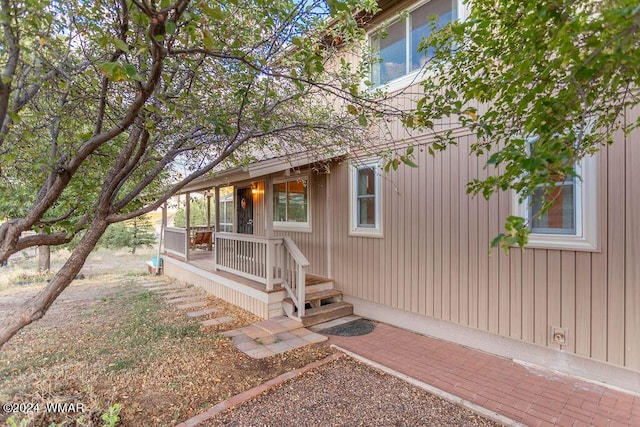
(273, 336)
(185, 299)
(191, 305)
(200, 313)
(217, 321)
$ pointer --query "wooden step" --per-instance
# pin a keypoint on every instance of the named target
(315, 298)
(324, 313)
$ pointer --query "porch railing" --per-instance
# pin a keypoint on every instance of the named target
(176, 241)
(268, 260)
(249, 256)
(293, 266)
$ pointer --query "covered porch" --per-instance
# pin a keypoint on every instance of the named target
(236, 250)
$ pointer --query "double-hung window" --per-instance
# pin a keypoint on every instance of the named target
(291, 204)
(571, 221)
(398, 48)
(365, 199)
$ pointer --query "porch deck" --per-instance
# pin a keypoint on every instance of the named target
(248, 294)
(205, 261)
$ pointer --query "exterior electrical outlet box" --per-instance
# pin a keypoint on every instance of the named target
(559, 335)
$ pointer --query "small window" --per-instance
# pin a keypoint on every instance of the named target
(291, 204)
(398, 50)
(226, 209)
(365, 200)
(571, 222)
(560, 218)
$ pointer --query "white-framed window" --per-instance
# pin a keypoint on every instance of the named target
(226, 209)
(291, 204)
(398, 50)
(572, 220)
(365, 199)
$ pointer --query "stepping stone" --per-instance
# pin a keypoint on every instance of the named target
(192, 305)
(259, 352)
(166, 288)
(162, 292)
(148, 284)
(314, 338)
(181, 294)
(217, 321)
(184, 299)
(202, 312)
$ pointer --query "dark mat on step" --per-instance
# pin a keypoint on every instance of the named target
(350, 329)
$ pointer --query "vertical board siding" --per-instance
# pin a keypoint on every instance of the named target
(435, 260)
(615, 254)
(632, 250)
(314, 244)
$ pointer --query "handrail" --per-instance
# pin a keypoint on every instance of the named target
(294, 283)
(295, 252)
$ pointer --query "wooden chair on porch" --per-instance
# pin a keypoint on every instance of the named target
(201, 238)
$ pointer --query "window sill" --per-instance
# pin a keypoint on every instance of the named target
(366, 232)
(401, 82)
(562, 242)
(292, 226)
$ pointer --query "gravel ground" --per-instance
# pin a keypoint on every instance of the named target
(347, 393)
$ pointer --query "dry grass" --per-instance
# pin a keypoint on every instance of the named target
(109, 340)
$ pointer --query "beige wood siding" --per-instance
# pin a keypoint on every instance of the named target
(434, 258)
(314, 244)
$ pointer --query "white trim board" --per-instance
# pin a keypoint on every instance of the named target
(602, 373)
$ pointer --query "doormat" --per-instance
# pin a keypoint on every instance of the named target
(351, 329)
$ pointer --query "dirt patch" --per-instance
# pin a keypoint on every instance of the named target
(109, 340)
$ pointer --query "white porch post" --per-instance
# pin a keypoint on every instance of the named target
(216, 207)
(208, 195)
(187, 221)
(268, 228)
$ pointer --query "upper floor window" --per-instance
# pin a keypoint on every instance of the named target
(291, 204)
(398, 50)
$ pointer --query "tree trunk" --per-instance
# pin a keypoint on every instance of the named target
(44, 257)
(35, 307)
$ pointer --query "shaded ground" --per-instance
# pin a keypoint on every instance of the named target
(109, 340)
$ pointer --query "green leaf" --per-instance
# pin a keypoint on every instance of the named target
(407, 161)
(170, 27)
(120, 44)
(362, 120)
(15, 117)
(132, 73)
(207, 39)
(352, 109)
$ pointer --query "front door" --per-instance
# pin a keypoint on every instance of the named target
(245, 210)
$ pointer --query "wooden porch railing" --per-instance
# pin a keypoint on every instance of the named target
(294, 269)
(248, 256)
(176, 241)
(268, 260)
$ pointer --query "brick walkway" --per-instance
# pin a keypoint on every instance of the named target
(532, 396)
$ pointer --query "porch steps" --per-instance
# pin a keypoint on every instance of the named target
(316, 298)
(324, 305)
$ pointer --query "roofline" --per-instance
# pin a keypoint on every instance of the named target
(255, 170)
